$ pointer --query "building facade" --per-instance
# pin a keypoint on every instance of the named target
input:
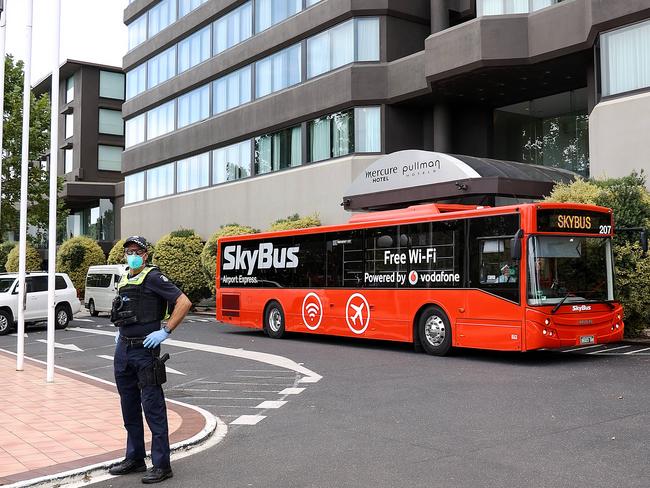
(91, 141)
(249, 111)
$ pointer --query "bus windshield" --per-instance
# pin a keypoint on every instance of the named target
(572, 269)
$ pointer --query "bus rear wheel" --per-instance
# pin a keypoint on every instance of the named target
(434, 331)
(274, 320)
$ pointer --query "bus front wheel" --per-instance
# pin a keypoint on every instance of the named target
(274, 320)
(434, 331)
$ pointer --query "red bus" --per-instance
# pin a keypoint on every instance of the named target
(513, 278)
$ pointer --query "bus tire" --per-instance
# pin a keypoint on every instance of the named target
(434, 331)
(274, 320)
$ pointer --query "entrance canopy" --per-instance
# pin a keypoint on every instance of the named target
(409, 177)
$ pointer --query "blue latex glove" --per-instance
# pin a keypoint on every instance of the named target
(117, 336)
(155, 338)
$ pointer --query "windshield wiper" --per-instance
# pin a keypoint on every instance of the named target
(559, 304)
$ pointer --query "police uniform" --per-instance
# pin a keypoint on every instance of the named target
(142, 303)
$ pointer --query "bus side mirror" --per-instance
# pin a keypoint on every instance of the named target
(644, 240)
(515, 245)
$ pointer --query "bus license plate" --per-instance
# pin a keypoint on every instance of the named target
(587, 339)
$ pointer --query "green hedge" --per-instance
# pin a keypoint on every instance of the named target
(178, 255)
(630, 202)
(209, 253)
(33, 259)
(75, 256)
(116, 254)
(295, 221)
(5, 249)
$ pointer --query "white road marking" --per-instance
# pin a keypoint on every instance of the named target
(105, 356)
(581, 348)
(308, 379)
(637, 351)
(291, 391)
(608, 350)
(16, 335)
(248, 420)
(83, 320)
(69, 347)
(271, 404)
(270, 359)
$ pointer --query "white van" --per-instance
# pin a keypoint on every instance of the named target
(101, 287)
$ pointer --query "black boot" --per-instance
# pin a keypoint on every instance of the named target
(128, 466)
(156, 475)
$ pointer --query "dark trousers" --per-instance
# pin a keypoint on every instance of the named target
(134, 399)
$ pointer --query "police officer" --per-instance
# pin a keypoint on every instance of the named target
(144, 295)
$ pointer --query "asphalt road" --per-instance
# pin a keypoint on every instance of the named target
(385, 416)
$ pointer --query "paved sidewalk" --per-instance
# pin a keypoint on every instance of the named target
(74, 423)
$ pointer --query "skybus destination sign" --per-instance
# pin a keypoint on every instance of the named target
(574, 221)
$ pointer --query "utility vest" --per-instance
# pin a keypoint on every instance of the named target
(133, 305)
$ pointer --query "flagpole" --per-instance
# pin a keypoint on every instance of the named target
(54, 153)
(24, 173)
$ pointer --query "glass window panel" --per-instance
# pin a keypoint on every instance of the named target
(111, 85)
(109, 158)
(312, 2)
(110, 122)
(160, 120)
(625, 59)
(160, 181)
(278, 71)
(134, 131)
(233, 28)
(186, 6)
(367, 39)
(318, 55)
(279, 150)
(342, 133)
(134, 188)
(194, 106)
(264, 77)
(161, 67)
(342, 39)
(69, 89)
(319, 139)
(68, 160)
(69, 125)
(231, 162)
(137, 31)
(161, 16)
(194, 50)
(270, 12)
(193, 172)
(367, 129)
(136, 81)
(232, 90)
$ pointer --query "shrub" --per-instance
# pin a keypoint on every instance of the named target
(33, 259)
(179, 258)
(116, 255)
(75, 256)
(5, 249)
(209, 253)
(295, 221)
(630, 202)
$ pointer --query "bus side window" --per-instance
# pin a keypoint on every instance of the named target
(344, 259)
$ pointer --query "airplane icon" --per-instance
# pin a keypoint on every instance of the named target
(358, 314)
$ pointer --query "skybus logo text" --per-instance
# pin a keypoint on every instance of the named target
(266, 256)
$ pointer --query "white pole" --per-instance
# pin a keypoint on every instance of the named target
(3, 37)
(24, 168)
(54, 153)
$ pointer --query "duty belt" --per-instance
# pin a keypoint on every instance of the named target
(132, 341)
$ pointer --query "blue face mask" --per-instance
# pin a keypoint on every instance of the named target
(134, 261)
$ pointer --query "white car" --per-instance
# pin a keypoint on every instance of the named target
(65, 299)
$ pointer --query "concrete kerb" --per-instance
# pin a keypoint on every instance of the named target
(212, 433)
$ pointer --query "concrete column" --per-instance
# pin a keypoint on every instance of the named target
(439, 15)
(441, 128)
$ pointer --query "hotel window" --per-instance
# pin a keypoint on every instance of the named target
(271, 12)
(161, 67)
(137, 31)
(111, 85)
(625, 59)
(192, 173)
(69, 125)
(134, 133)
(69, 89)
(367, 129)
(194, 50)
(354, 40)
(160, 120)
(278, 71)
(109, 158)
(161, 16)
(233, 28)
(503, 7)
(231, 163)
(232, 90)
(194, 106)
(68, 160)
(186, 6)
(278, 151)
(110, 122)
(160, 181)
(134, 188)
(136, 81)
(312, 2)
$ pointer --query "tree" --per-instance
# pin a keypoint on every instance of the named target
(39, 143)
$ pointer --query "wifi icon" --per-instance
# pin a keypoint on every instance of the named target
(312, 311)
